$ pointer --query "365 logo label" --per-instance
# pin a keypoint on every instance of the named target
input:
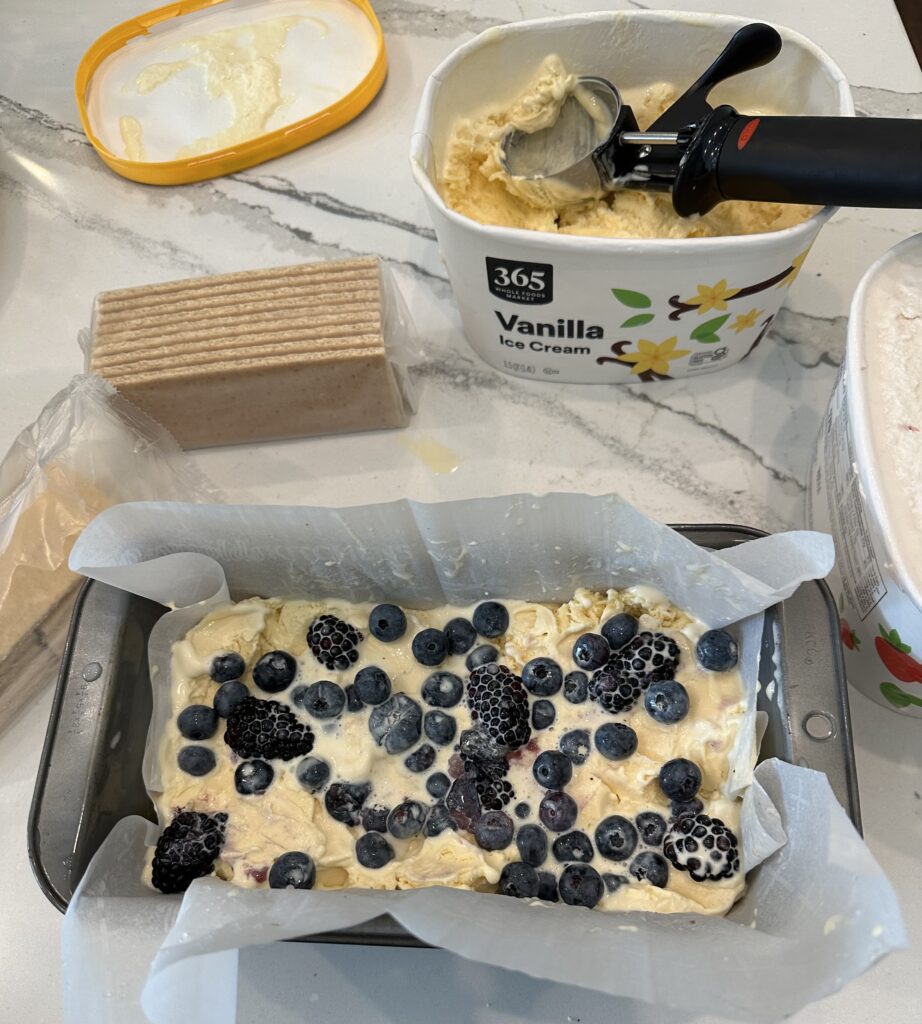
(530, 284)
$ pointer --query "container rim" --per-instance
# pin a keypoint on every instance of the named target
(421, 142)
(857, 384)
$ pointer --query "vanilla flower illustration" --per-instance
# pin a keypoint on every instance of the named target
(652, 356)
(745, 320)
(714, 297)
(796, 264)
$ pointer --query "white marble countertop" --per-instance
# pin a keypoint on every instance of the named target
(732, 447)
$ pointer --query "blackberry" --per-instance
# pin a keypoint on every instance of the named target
(499, 703)
(646, 659)
(703, 846)
(187, 849)
(333, 642)
(489, 777)
(266, 729)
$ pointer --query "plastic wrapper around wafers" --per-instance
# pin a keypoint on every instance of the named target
(817, 911)
(87, 450)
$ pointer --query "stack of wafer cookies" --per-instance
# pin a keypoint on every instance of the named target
(286, 352)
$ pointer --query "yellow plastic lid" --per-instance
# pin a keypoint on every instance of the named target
(202, 88)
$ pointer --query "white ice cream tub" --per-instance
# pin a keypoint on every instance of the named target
(565, 308)
(876, 582)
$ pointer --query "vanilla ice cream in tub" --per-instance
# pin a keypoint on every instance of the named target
(547, 305)
(866, 483)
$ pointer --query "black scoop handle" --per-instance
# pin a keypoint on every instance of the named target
(838, 161)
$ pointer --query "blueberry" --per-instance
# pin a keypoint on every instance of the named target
(522, 810)
(324, 699)
(615, 837)
(613, 882)
(573, 846)
(297, 696)
(372, 684)
(680, 779)
(531, 841)
(519, 880)
(430, 647)
(196, 760)
(552, 770)
(543, 714)
(651, 826)
(294, 870)
(439, 727)
(679, 807)
(547, 887)
(542, 677)
(422, 759)
(666, 702)
(274, 671)
(490, 619)
(253, 777)
(717, 650)
(576, 687)
(387, 622)
(396, 724)
(439, 820)
(557, 811)
(485, 654)
(228, 696)
(460, 635)
(615, 740)
(372, 850)
(575, 744)
(442, 690)
(591, 651)
(226, 667)
(652, 867)
(313, 773)
(438, 784)
(197, 722)
(353, 701)
(374, 819)
(406, 819)
(493, 830)
(581, 885)
(619, 630)
(344, 801)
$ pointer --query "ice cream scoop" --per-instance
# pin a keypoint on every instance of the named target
(704, 155)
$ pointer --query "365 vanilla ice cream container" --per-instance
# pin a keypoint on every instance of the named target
(866, 483)
(622, 290)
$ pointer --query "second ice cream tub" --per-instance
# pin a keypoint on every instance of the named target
(865, 486)
(577, 309)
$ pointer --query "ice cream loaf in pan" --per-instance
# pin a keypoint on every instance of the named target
(259, 355)
(582, 752)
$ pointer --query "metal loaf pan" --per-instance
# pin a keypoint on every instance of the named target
(90, 772)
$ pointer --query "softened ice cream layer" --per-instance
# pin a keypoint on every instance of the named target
(286, 817)
(474, 182)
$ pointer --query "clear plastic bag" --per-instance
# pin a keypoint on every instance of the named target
(88, 449)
